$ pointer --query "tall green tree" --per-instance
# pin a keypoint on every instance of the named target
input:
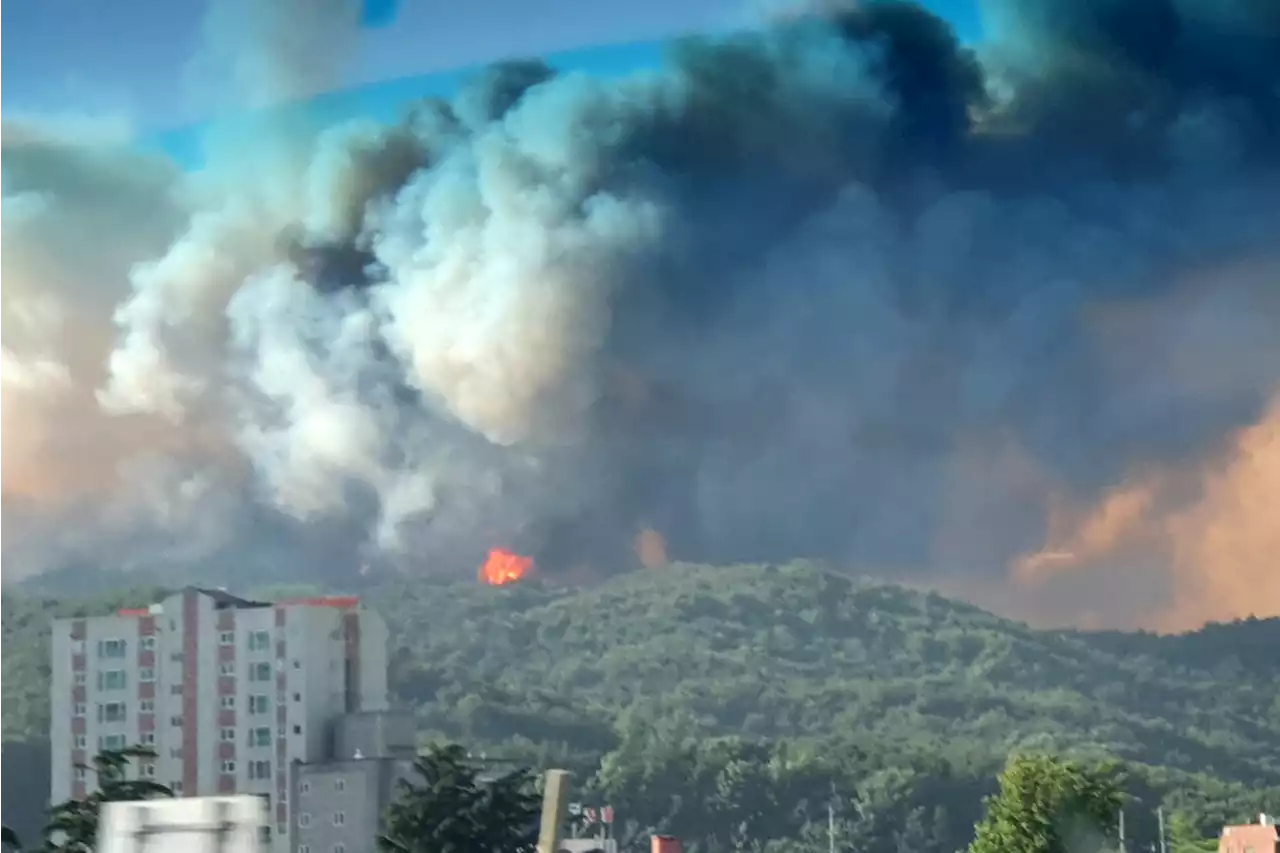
(1184, 837)
(1048, 805)
(73, 825)
(448, 808)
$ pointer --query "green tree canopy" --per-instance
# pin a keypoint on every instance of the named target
(1183, 837)
(452, 810)
(1048, 805)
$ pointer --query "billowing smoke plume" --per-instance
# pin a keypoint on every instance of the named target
(1004, 321)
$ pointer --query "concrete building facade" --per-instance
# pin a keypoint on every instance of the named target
(340, 804)
(230, 693)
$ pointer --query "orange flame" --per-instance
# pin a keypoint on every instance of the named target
(651, 548)
(504, 567)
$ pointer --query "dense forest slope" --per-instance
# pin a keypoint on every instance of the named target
(796, 651)
(795, 659)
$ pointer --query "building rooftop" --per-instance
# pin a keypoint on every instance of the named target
(223, 600)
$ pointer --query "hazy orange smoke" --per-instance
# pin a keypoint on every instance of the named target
(651, 548)
(504, 567)
(1078, 536)
(1226, 548)
(1222, 545)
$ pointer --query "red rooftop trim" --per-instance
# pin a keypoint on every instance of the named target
(341, 601)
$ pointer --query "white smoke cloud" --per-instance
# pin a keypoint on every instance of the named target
(777, 299)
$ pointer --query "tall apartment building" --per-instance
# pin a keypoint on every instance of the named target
(228, 692)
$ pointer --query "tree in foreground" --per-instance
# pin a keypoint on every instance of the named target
(449, 809)
(73, 825)
(9, 839)
(1048, 805)
(1184, 837)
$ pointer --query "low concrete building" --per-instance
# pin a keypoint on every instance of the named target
(340, 804)
(1260, 837)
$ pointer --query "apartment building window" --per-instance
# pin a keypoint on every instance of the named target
(149, 771)
(78, 710)
(111, 679)
(227, 638)
(111, 742)
(304, 788)
(339, 784)
(228, 767)
(111, 648)
(227, 735)
(260, 736)
(304, 820)
(81, 741)
(176, 689)
(259, 641)
(260, 672)
(304, 848)
(228, 701)
(147, 706)
(111, 712)
(148, 738)
(80, 678)
(80, 774)
(77, 647)
(339, 848)
(176, 752)
(339, 818)
(260, 769)
(146, 674)
(259, 704)
(176, 721)
(175, 657)
(148, 643)
(228, 668)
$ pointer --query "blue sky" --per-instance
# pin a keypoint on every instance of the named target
(127, 57)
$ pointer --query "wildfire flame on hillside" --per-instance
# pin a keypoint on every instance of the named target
(503, 567)
(651, 548)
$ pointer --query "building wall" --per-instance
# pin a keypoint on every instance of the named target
(375, 734)
(374, 642)
(61, 702)
(341, 804)
(1250, 838)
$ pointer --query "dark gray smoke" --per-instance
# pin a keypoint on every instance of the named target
(839, 287)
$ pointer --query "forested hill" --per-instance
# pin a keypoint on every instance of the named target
(791, 655)
(798, 652)
(791, 651)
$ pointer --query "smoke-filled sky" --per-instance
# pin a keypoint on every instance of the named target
(133, 57)
(1004, 320)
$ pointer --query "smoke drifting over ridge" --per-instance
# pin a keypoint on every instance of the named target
(1006, 322)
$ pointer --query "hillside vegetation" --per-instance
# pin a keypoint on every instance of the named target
(732, 703)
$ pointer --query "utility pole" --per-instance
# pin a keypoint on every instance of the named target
(1160, 821)
(1122, 845)
(831, 828)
